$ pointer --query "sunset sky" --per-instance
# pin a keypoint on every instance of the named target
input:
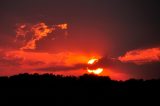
(61, 36)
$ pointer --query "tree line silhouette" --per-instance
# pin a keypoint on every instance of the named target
(88, 88)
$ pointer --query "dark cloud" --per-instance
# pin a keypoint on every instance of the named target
(103, 62)
(10, 62)
(35, 63)
(63, 68)
(147, 71)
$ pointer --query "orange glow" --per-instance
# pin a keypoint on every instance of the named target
(38, 31)
(62, 26)
(65, 63)
(94, 71)
(141, 56)
(62, 58)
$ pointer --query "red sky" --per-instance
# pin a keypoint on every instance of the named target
(59, 37)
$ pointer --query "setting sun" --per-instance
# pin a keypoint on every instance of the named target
(94, 71)
(91, 61)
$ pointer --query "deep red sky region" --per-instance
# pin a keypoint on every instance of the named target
(62, 36)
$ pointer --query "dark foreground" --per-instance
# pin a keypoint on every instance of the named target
(50, 90)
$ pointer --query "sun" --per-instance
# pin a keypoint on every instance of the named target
(94, 71)
(91, 61)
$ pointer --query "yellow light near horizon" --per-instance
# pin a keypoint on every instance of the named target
(96, 71)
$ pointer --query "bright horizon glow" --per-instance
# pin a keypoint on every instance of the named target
(96, 71)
